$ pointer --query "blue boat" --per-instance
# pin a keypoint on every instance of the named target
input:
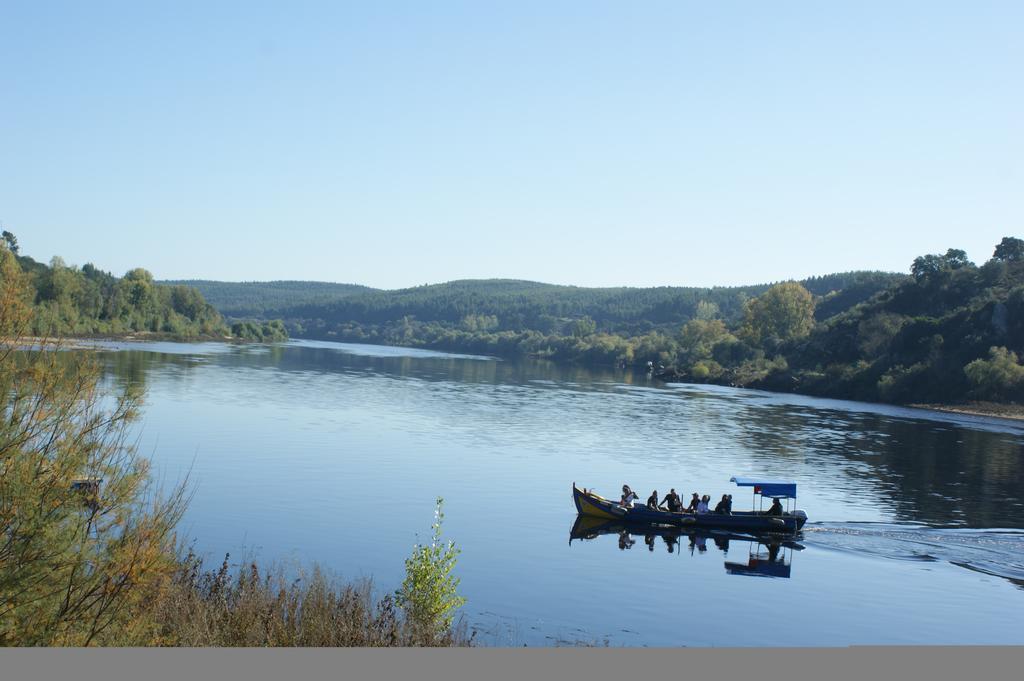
(589, 503)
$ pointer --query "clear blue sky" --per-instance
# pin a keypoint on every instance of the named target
(593, 143)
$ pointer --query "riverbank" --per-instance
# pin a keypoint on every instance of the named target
(672, 375)
(991, 409)
(85, 342)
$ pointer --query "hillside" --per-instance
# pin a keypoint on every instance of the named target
(267, 299)
(326, 310)
(953, 331)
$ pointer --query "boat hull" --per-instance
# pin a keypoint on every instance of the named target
(596, 506)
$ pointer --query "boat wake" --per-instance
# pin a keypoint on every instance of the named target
(998, 552)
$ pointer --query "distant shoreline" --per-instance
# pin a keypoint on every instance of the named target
(82, 341)
(1011, 411)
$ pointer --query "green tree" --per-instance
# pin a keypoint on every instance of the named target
(928, 265)
(1001, 376)
(783, 312)
(1010, 249)
(429, 594)
(699, 338)
(957, 259)
(584, 327)
(138, 287)
(11, 241)
(706, 310)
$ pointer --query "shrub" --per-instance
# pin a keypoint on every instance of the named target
(429, 594)
(999, 377)
(85, 545)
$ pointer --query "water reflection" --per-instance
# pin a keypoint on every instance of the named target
(766, 556)
(765, 559)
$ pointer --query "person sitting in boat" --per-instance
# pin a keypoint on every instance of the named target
(694, 500)
(724, 506)
(702, 505)
(652, 501)
(672, 501)
(628, 495)
(776, 508)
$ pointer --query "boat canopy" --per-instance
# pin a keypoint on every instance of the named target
(785, 489)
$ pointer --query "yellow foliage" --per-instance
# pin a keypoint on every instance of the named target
(86, 541)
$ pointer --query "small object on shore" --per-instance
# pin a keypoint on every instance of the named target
(669, 375)
(995, 410)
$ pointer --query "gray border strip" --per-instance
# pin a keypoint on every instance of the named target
(762, 664)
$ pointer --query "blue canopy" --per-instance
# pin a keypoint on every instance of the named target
(785, 489)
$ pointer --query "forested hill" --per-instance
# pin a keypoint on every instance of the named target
(267, 299)
(326, 310)
(951, 332)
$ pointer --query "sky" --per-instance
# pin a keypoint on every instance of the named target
(395, 144)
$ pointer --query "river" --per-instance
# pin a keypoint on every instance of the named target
(334, 453)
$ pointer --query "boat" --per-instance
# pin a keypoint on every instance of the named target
(589, 503)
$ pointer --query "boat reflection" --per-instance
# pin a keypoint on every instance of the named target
(767, 556)
(764, 560)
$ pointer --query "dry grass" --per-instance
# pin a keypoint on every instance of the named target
(247, 608)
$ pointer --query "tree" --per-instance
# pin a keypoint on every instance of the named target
(11, 241)
(957, 259)
(138, 285)
(927, 265)
(998, 377)
(86, 542)
(699, 337)
(783, 312)
(584, 327)
(705, 310)
(1010, 249)
(429, 594)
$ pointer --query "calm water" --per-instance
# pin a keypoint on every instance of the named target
(335, 453)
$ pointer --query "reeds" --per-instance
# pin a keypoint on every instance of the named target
(245, 607)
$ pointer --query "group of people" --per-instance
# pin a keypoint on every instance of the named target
(673, 503)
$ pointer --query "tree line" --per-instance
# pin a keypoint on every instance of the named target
(86, 301)
(267, 299)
